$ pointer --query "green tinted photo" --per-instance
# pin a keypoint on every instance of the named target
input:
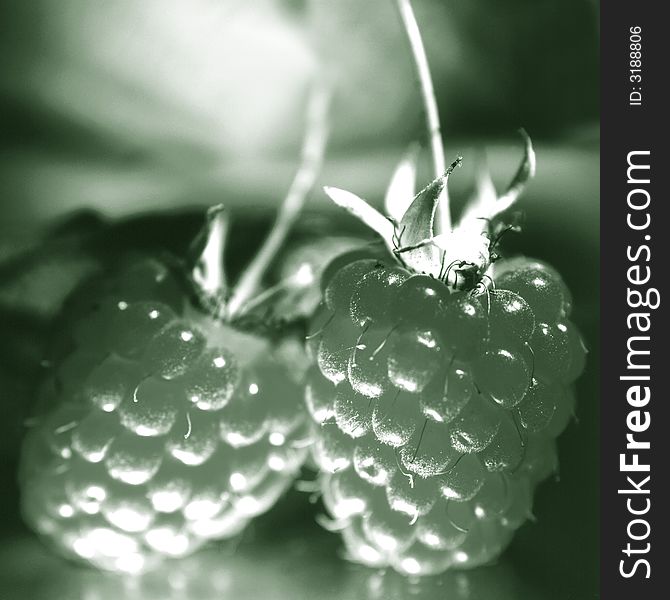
(299, 299)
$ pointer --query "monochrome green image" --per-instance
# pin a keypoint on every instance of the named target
(299, 298)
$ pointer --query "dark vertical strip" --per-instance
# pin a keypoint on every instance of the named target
(635, 430)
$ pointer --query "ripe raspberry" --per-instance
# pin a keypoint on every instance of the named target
(439, 386)
(173, 412)
(160, 430)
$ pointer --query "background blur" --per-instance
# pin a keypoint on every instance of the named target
(120, 120)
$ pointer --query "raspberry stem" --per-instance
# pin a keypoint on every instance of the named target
(430, 104)
(208, 274)
(313, 147)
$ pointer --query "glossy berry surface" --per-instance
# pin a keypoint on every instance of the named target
(436, 411)
(158, 428)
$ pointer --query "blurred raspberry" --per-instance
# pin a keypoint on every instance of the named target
(158, 427)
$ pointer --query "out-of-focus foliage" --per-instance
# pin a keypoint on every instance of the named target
(496, 66)
(225, 76)
(128, 105)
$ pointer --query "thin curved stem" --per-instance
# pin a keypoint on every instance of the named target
(430, 105)
(208, 274)
(313, 149)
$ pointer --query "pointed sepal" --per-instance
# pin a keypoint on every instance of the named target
(523, 175)
(415, 231)
(484, 198)
(402, 188)
(364, 212)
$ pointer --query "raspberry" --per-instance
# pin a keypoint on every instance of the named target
(440, 382)
(157, 428)
(160, 425)
(173, 411)
(433, 429)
